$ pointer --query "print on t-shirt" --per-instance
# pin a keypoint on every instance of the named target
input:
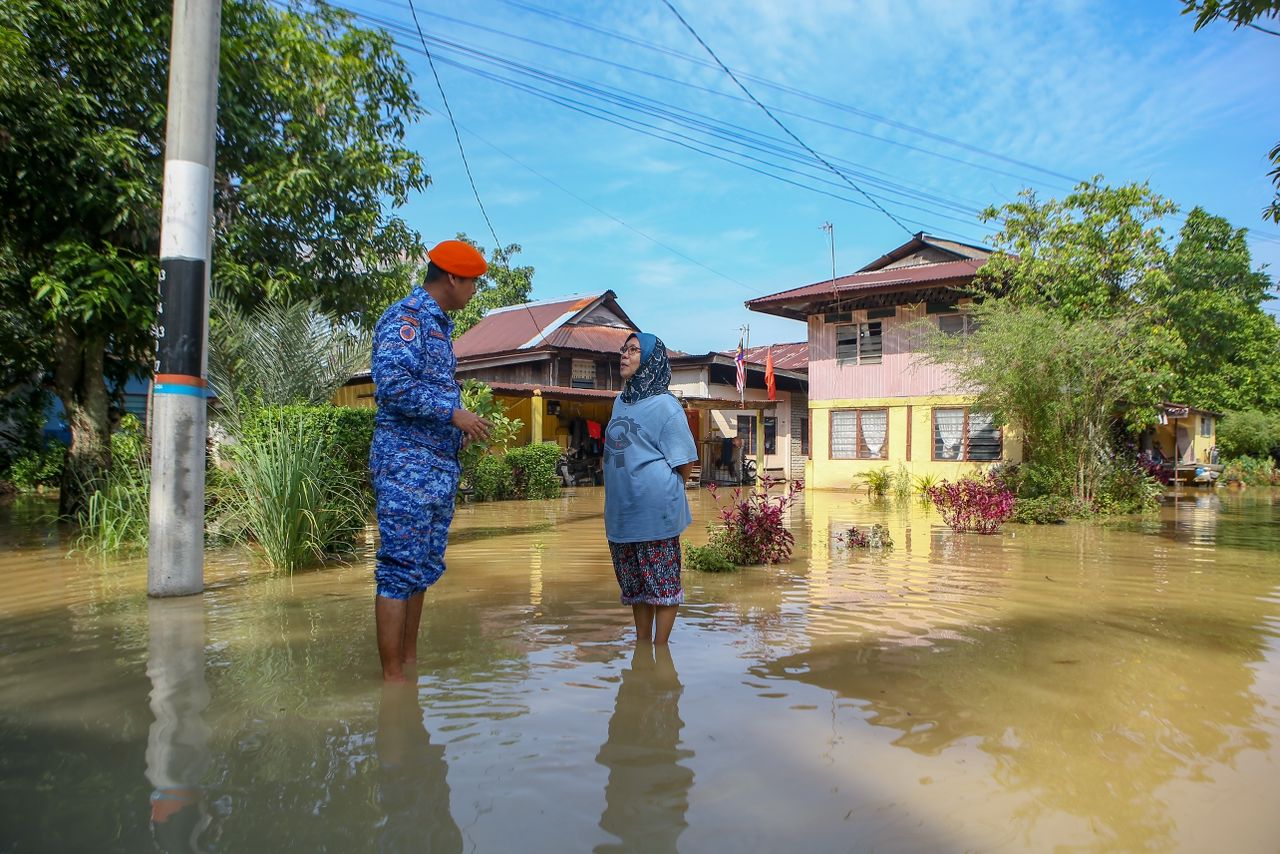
(618, 438)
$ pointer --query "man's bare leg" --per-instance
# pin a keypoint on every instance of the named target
(413, 616)
(664, 620)
(643, 615)
(390, 615)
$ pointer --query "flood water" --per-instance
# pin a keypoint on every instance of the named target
(1085, 687)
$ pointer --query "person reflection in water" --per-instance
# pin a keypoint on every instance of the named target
(413, 789)
(647, 795)
(178, 741)
(648, 456)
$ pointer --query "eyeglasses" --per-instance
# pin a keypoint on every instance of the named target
(629, 351)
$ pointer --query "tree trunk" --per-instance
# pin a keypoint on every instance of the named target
(80, 385)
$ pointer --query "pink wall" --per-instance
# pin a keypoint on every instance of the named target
(896, 376)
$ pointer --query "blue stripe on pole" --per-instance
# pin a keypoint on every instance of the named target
(189, 390)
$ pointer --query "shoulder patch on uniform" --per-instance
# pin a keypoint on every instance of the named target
(412, 320)
(408, 333)
(436, 333)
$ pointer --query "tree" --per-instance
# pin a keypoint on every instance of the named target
(1231, 358)
(1244, 13)
(311, 121)
(501, 285)
(1059, 382)
(1097, 252)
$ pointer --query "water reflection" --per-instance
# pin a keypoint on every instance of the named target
(178, 740)
(647, 795)
(413, 789)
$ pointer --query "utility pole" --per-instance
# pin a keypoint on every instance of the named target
(831, 237)
(179, 426)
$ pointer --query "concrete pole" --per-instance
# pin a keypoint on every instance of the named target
(175, 560)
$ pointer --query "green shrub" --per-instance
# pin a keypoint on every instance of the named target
(477, 397)
(708, 558)
(491, 479)
(901, 483)
(533, 470)
(1247, 434)
(922, 483)
(1035, 480)
(42, 468)
(117, 515)
(877, 481)
(292, 492)
(344, 432)
(1252, 472)
(1127, 487)
(1044, 510)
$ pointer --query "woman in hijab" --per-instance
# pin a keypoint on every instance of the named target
(648, 455)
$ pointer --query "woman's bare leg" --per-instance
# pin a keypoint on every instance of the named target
(664, 619)
(643, 615)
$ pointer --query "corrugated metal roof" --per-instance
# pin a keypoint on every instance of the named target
(596, 339)
(514, 327)
(527, 390)
(786, 357)
(890, 279)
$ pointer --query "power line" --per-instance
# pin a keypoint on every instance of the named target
(779, 123)
(502, 255)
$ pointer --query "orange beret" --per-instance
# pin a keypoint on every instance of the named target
(461, 259)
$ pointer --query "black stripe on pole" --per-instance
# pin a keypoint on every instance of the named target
(180, 317)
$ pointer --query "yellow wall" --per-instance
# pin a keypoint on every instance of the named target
(1200, 445)
(821, 472)
(355, 396)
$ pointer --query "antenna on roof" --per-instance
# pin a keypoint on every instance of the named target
(831, 236)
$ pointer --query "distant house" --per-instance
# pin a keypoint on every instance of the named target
(555, 365)
(869, 405)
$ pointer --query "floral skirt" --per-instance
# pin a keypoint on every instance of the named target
(648, 572)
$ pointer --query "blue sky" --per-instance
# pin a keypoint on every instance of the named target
(945, 105)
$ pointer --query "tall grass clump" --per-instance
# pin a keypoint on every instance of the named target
(117, 515)
(288, 494)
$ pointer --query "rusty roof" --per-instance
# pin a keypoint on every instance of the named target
(786, 357)
(538, 325)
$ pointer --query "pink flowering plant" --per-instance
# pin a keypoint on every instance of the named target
(980, 504)
(751, 530)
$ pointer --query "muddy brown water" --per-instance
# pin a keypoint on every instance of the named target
(1085, 687)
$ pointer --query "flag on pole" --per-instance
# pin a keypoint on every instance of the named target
(770, 381)
(741, 359)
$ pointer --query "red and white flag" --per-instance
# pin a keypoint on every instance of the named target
(741, 359)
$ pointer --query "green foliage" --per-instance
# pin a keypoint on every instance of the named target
(1127, 488)
(288, 493)
(491, 479)
(40, 468)
(533, 470)
(344, 433)
(1231, 357)
(1250, 471)
(279, 354)
(1095, 253)
(901, 483)
(713, 557)
(1059, 382)
(312, 115)
(877, 481)
(1044, 510)
(922, 483)
(1250, 433)
(117, 515)
(477, 397)
(22, 419)
(500, 286)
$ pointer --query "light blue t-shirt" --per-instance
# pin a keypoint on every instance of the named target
(643, 495)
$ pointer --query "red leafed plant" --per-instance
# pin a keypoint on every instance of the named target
(980, 504)
(752, 530)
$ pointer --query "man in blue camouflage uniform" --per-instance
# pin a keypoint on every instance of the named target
(419, 428)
